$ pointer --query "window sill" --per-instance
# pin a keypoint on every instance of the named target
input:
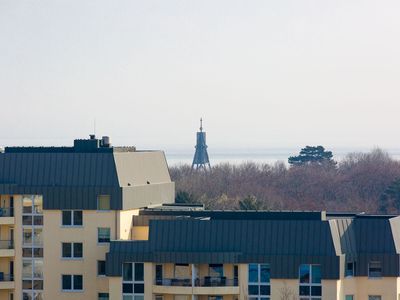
(72, 291)
(72, 258)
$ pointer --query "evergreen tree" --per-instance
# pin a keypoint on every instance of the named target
(312, 155)
(184, 197)
(249, 203)
(390, 195)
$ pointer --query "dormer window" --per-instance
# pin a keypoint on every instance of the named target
(375, 269)
(104, 202)
(350, 269)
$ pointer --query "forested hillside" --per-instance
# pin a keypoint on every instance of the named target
(367, 182)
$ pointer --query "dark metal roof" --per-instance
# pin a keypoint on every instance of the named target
(284, 244)
(73, 177)
(369, 238)
(237, 214)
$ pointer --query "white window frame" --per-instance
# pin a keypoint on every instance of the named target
(33, 246)
(71, 211)
(72, 283)
(310, 285)
(259, 283)
(73, 257)
(133, 282)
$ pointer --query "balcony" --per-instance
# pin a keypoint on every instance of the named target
(6, 281)
(7, 248)
(202, 286)
(7, 216)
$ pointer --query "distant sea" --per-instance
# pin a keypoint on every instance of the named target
(180, 157)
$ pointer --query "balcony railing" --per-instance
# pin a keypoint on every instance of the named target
(215, 281)
(174, 281)
(6, 244)
(206, 281)
(6, 212)
(6, 277)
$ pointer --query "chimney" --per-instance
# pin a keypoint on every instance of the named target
(105, 142)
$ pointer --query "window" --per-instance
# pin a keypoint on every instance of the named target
(72, 218)
(103, 296)
(214, 297)
(216, 270)
(133, 281)
(103, 202)
(182, 271)
(72, 250)
(349, 272)
(158, 297)
(349, 297)
(159, 274)
(374, 298)
(310, 282)
(103, 235)
(72, 282)
(32, 249)
(375, 270)
(101, 268)
(259, 282)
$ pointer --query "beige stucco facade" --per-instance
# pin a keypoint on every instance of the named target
(120, 224)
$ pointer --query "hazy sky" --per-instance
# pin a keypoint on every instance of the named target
(261, 73)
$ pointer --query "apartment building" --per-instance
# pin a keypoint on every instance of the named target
(61, 206)
(96, 222)
(215, 255)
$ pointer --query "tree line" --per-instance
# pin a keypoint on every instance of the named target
(368, 182)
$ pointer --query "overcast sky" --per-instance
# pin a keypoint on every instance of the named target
(261, 73)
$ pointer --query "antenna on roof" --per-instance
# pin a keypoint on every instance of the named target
(201, 124)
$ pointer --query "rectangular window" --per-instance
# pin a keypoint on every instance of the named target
(103, 202)
(103, 235)
(259, 282)
(72, 218)
(32, 252)
(103, 296)
(133, 281)
(101, 268)
(72, 282)
(181, 271)
(375, 269)
(77, 219)
(374, 298)
(349, 297)
(310, 287)
(72, 250)
(159, 274)
(216, 270)
(349, 269)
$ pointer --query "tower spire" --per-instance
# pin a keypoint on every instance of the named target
(200, 159)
